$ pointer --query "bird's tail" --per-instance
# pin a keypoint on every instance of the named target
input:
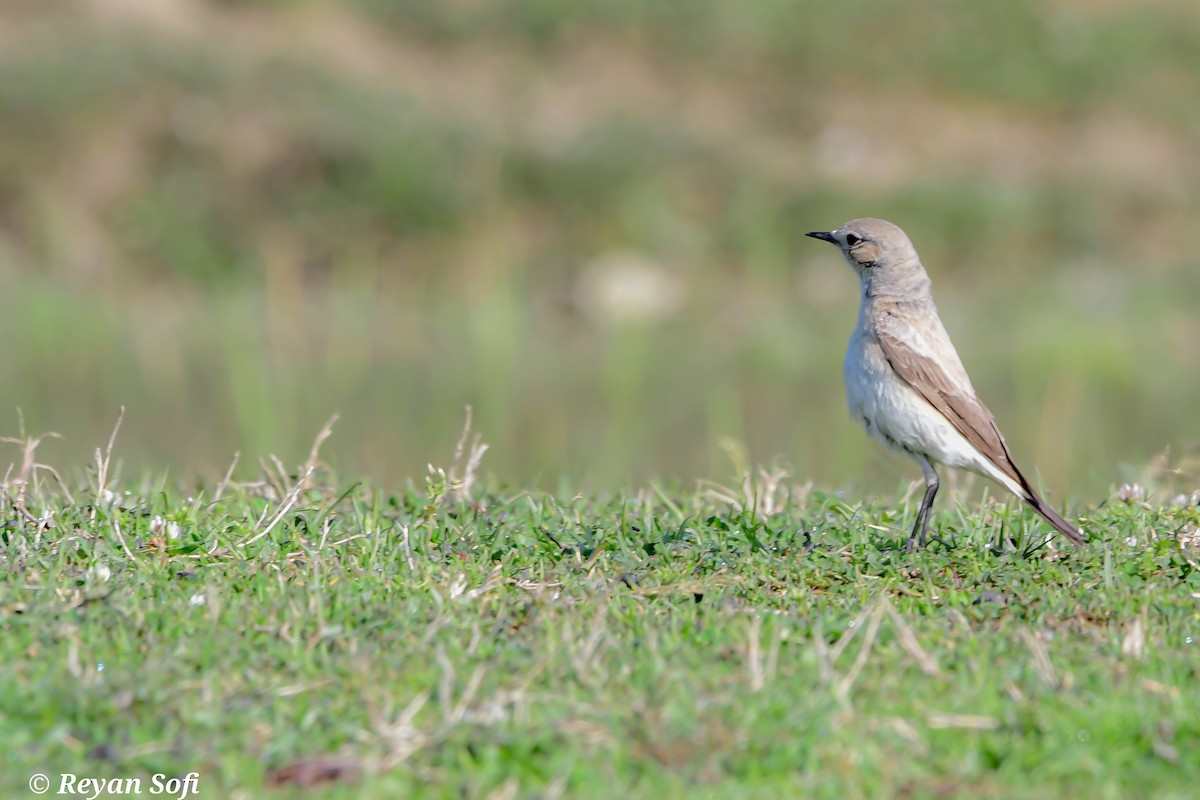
(1053, 517)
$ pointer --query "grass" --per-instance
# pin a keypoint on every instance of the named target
(237, 217)
(466, 638)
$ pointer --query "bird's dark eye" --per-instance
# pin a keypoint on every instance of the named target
(852, 239)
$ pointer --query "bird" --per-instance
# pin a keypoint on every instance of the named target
(905, 381)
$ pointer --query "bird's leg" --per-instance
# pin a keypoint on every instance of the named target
(922, 523)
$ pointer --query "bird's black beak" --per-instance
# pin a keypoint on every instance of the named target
(823, 236)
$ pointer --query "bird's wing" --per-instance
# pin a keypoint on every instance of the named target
(958, 404)
(909, 354)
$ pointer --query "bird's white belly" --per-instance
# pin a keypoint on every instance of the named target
(896, 415)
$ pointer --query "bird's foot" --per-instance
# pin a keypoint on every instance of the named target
(949, 545)
(920, 543)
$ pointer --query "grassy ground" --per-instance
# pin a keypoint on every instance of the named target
(238, 216)
(335, 639)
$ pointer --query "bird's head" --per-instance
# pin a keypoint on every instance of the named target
(879, 252)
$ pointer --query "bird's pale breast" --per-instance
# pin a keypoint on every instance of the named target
(895, 414)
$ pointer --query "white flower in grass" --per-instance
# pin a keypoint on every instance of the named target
(1186, 500)
(165, 527)
(1131, 493)
(197, 600)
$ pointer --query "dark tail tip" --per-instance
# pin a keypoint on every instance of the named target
(1053, 517)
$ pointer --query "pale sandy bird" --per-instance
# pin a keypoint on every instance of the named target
(904, 380)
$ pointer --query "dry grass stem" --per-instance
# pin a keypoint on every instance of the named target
(1041, 659)
(121, 540)
(227, 477)
(461, 485)
(103, 462)
(1133, 644)
(754, 655)
(908, 641)
(971, 722)
(293, 494)
(864, 652)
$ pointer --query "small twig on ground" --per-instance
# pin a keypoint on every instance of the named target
(754, 655)
(909, 642)
(406, 545)
(18, 504)
(763, 493)
(1041, 659)
(103, 461)
(29, 446)
(1133, 644)
(293, 495)
(855, 626)
(970, 722)
(402, 736)
(227, 477)
(121, 540)
(824, 664)
(864, 652)
(460, 487)
(29, 465)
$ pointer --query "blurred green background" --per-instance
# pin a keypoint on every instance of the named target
(586, 219)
